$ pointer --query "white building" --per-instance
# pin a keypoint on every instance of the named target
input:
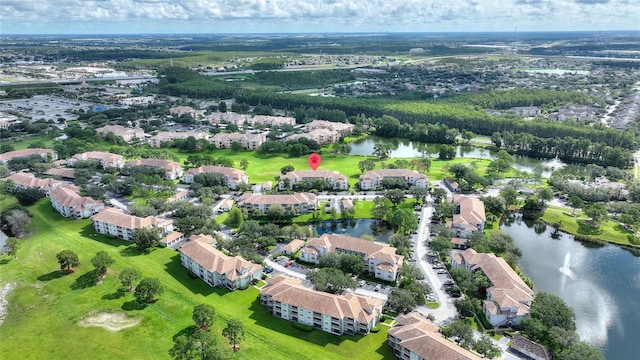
(335, 180)
(349, 314)
(299, 203)
(200, 256)
(233, 177)
(106, 159)
(373, 179)
(115, 222)
(69, 204)
(380, 260)
(172, 169)
(47, 155)
(164, 136)
(127, 134)
(248, 141)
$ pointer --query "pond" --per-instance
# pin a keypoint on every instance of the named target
(600, 283)
(403, 148)
(355, 228)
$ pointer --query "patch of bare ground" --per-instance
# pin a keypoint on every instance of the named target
(112, 320)
(4, 303)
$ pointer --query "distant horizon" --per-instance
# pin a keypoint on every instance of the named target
(43, 17)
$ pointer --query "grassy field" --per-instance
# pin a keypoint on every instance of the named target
(45, 307)
(610, 231)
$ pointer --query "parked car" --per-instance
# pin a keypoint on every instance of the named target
(268, 270)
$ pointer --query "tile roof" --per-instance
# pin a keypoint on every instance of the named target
(28, 180)
(234, 174)
(421, 337)
(291, 291)
(200, 248)
(313, 174)
(109, 158)
(62, 172)
(118, 218)
(293, 245)
(285, 199)
(68, 197)
(5, 157)
(391, 173)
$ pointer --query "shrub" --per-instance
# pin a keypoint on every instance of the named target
(303, 327)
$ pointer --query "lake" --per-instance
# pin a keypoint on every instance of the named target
(402, 148)
(355, 228)
(600, 283)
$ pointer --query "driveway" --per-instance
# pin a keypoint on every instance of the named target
(446, 311)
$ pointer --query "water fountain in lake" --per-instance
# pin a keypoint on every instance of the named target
(565, 269)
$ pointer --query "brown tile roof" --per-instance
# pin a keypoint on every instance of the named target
(156, 163)
(313, 174)
(522, 344)
(293, 245)
(421, 337)
(28, 180)
(286, 199)
(232, 173)
(62, 172)
(171, 237)
(291, 291)
(68, 197)
(391, 173)
(118, 218)
(201, 250)
(5, 157)
(108, 158)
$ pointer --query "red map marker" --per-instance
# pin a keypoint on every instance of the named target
(314, 161)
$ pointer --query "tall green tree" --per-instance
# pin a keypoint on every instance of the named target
(234, 332)
(67, 260)
(204, 315)
(235, 218)
(101, 262)
(146, 238)
(148, 289)
(12, 245)
(128, 276)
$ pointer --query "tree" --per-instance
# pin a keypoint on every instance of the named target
(235, 218)
(28, 196)
(545, 195)
(128, 276)
(12, 245)
(331, 280)
(67, 260)
(486, 347)
(381, 207)
(244, 164)
(575, 202)
(510, 195)
(146, 238)
(329, 260)
(447, 152)
(276, 211)
(402, 220)
(552, 311)
(198, 344)
(236, 147)
(351, 264)
(204, 316)
(396, 196)
(285, 169)
(401, 301)
(366, 165)
(597, 213)
(382, 150)
(234, 332)
(101, 262)
(148, 289)
(467, 135)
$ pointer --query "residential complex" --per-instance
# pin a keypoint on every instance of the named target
(299, 203)
(164, 136)
(200, 256)
(70, 204)
(172, 169)
(468, 216)
(373, 179)
(380, 259)
(46, 154)
(335, 180)
(233, 177)
(112, 221)
(321, 136)
(415, 337)
(508, 297)
(248, 141)
(106, 159)
(127, 134)
(342, 128)
(348, 314)
(24, 180)
(182, 110)
(241, 119)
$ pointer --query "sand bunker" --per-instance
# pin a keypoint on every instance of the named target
(4, 303)
(109, 319)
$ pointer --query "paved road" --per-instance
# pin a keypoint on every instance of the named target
(447, 311)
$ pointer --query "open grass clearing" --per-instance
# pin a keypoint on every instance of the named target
(46, 306)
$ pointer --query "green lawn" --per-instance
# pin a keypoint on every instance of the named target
(45, 307)
(610, 231)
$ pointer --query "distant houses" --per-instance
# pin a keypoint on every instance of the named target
(161, 137)
(106, 159)
(127, 134)
(233, 177)
(380, 260)
(373, 179)
(200, 256)
(247, 141)
(251, 120)
(115, 222)
(334, 179)
(347, 314)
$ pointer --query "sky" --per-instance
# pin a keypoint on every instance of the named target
(294, 16)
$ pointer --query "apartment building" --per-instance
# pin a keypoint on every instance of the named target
(509, 298)
(46, 154)
(348, 314)
(182, 110)
(164, 136)
(70, 204)
(172, 169)
(373, 179)
(24, 180)
(233, 177)
(112, 221)
(335, 180)
(242, 119)
(106, 159)
(342, 128)
(298, 203)
(415, 337)
(380, 259)
(200, 256)
(469, 216)
(127, 134)
(320, 135)
(248, 141)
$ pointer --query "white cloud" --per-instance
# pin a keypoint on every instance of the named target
(108, 16)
